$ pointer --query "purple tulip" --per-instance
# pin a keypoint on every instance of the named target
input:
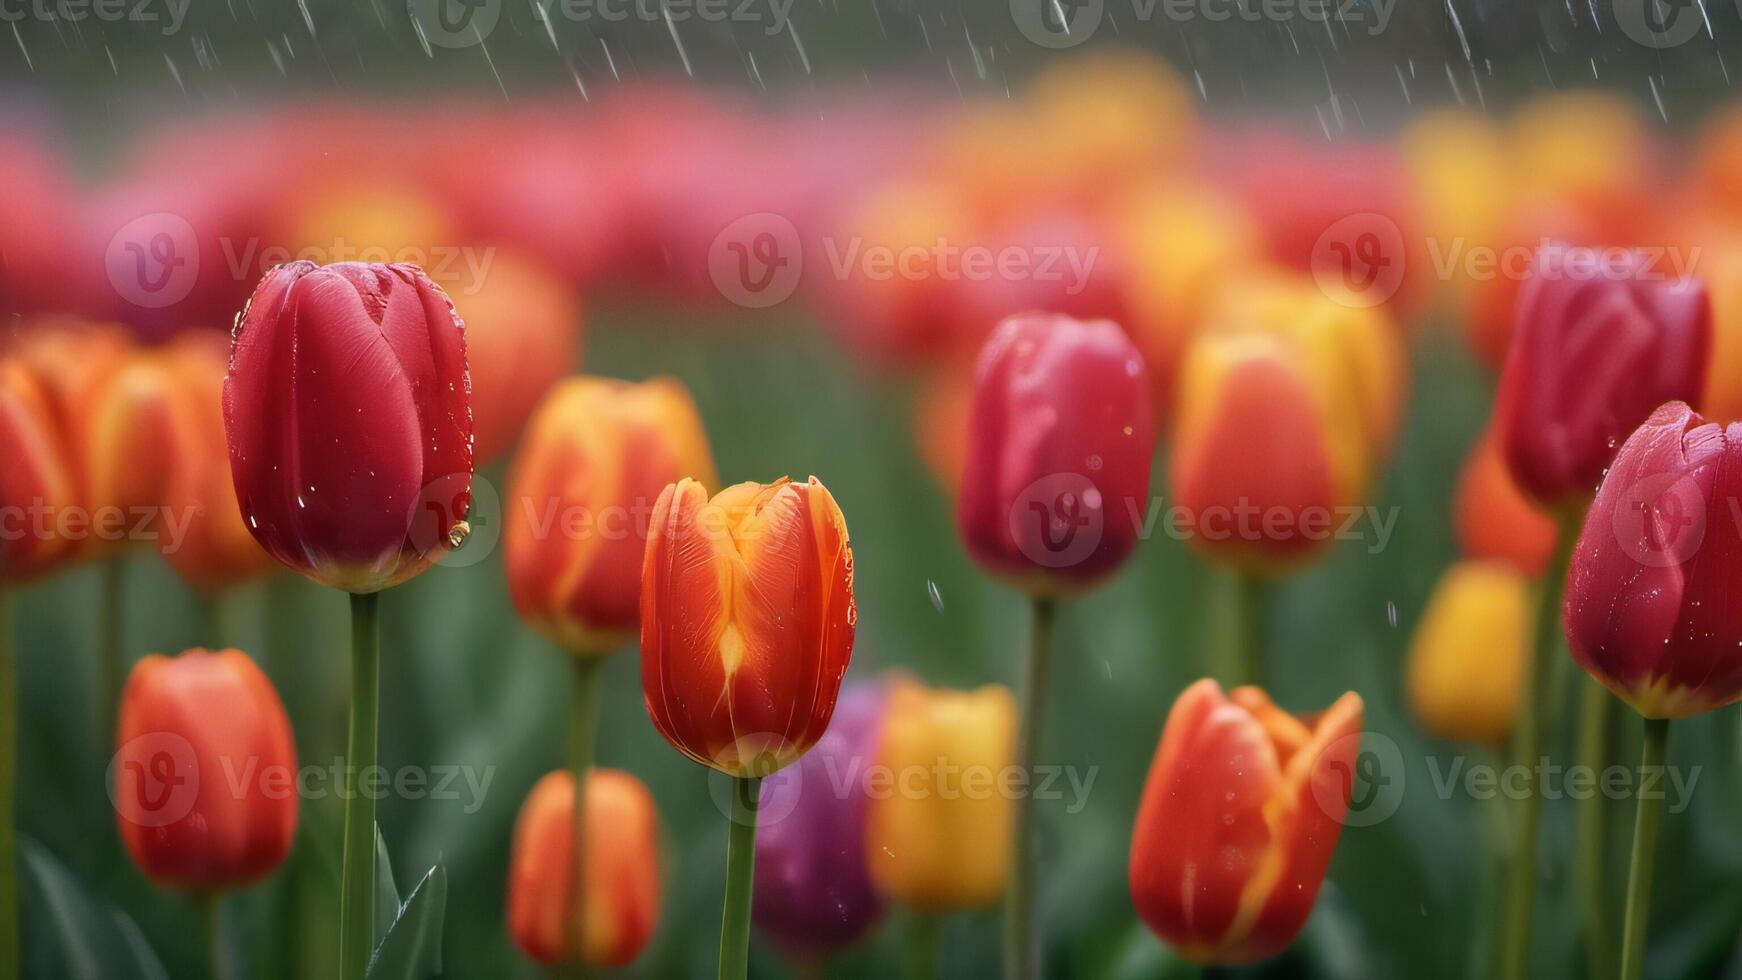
(813, 890)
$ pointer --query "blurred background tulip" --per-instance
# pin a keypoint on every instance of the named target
(1242, 809)
(37, 478)
(1493, 519)
(224, 813)
(939, 832)
(1467, 656)
(622, 893)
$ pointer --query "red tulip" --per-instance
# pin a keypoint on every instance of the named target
(1241, 812)
(35, 478)
(205, 771)
(1651, 596)
(1059, 446)
(747, 621)
(350, 429)
(1602, 339)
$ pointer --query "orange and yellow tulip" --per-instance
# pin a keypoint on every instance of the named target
(598, 454)
(747, 621)
(621, 903)
(1242, 809)
(938, 835)
(36, 478)
(132, 436)
(1466, 662)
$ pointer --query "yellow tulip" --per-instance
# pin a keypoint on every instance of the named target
(1467, 658)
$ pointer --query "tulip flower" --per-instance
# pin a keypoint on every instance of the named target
(1602, 340)
(1649, 600)
(133, 439)
(620, 901)
(350, 430)
(813, 885)
(1467, 657)
(1240, 814)
(596, 457)
(1494, 521)
(187, 722)
(523, 329)
(939, 836)
(747, 623)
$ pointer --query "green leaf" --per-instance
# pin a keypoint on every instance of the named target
(412, 949)
(386, 891)
(71, 936)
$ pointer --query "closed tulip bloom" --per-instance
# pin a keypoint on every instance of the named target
(349, 426)
(1240, 814)
(205, 773)
(813, 886)
(1493, 519)
(747, 621)
(132, 437)
(596, 457)
(1650, 601)
(1288, 403)
(1061, 434)
(1467, 659)
(35, 478)
(621, 904)
(1602, 339)
(207, 542)
(523, 334)
(939, 831)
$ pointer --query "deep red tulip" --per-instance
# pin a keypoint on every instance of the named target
(1602, 339)
(205, 771)
(1242, 809)
(1651, 597)
(1059, 446)
(747, 621)
(350, 428)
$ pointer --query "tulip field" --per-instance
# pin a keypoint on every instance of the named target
(604, 490)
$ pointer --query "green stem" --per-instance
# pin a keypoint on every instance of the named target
(1590, 831)
(583, 739)
(357, 892)
(9, 932)
(211, 919)
(1021, 938)
(1254, 628)
(113, 588)
(1644, 852)
(740, 873)
(1537, 697)
(922, 945)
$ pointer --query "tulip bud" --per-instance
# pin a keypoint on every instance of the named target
(205, 771)
(747, 621)
(1240, 814)
(132, 437)
(1601, 340)
(1060, 440)
(1650, 601)
(939, 837)
(621, 904)
(1493, 519)
(523, 330)
(1288, 402)
(349, 427)
(1467, 659)
(35, 477)
(206, 541)
(597, 455)
(813, 887)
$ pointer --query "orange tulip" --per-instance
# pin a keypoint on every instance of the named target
(1721, 268)
(216, 550)
(1241, 812)
(205, 771)
(747, 621)
(35, 480)
(133, 436)
(598, 454)
(1288, 402)
(621, 904)
(1494, 520)
(1466, 663)
(73, 359)
(523, 334)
